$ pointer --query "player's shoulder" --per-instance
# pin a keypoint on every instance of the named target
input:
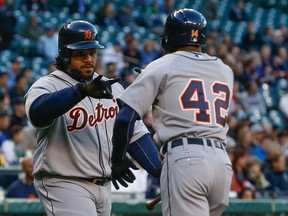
(160, 64)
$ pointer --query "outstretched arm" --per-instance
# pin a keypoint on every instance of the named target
(51, 105)
(142, 150)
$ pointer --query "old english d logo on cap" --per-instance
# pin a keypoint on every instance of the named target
(88, 35)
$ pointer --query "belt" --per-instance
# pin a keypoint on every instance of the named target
(192, 141)
(97, 180)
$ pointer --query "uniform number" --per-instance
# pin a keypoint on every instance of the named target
(194, 98)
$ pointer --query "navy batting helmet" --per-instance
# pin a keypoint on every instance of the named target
(184, 27)
(77, 35)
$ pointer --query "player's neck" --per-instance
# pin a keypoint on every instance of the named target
(190, 49)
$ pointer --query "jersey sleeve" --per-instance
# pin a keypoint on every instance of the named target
(141, 94)
(40, 87)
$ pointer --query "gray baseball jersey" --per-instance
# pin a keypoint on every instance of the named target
(78, 143)
(190, 95)
(185, 103)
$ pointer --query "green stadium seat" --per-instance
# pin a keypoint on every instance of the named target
(270, 95)
(277, 119)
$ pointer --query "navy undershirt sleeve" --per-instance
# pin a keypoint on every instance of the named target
(145, 153)
(52, 105)
(143, 150)
(123, 131)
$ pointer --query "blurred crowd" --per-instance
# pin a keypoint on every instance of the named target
(257, 141)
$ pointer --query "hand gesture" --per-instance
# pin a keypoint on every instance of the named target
(98, 88)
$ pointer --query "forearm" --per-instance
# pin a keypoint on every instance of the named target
(122, 132)
(145, 153)
(52, 105)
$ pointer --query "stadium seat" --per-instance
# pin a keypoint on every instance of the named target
(281, 86)
(270, 96)
(24, 47)
(277, 119)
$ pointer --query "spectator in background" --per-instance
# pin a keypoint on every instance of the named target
(32, 30)
(278, 40)
(12, 148)
(4, 78)
(107, 15)
(252, 100)
(280, 61)
(236, 107)
(111, 71)
(47, 45)
(19, 89)
(79, 6)
(125, 17)
(23, 188)
(258, 135)
(238, 13)
(30, 140)
(7, 28)
(224, 55)
(114, 54)
(153, 18)
(149, 52)
(244, 137)
(241, 76)
(5, 102)
(210, 12)
(283, 141)
(266, 55)
(4, 126)
(14, 70)
(132, 56)
(267, 35)
(255, 174)
(127, 78)
(284, 29)
(18, 115)
(283, 101)
(277, 174)
(27, 72)
(167, 7)
(251, 39)
(239, 178)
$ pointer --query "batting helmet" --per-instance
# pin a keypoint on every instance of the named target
(76, 35)
(184, 27)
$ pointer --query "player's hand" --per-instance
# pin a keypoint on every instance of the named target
(122, 174)
(98, 88)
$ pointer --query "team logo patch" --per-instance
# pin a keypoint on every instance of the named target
(88, 34)
(194, 35)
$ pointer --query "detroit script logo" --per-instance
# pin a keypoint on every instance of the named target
(81, 118)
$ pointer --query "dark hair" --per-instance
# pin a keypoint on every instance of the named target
(60, 64)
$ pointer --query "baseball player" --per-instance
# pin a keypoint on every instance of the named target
(190, 93)
(74, 109)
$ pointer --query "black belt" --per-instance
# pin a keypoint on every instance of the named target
(98, 180)
(192, 141)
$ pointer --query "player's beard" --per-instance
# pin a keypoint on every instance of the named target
(83, 74)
